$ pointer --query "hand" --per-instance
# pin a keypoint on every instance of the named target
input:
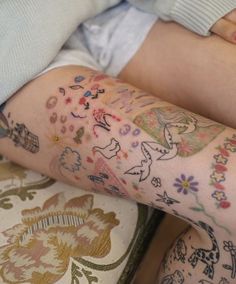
(226, 27)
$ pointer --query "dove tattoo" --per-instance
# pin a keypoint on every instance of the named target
(154, 151)
(144, 169)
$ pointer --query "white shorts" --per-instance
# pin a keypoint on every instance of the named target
(108, 41)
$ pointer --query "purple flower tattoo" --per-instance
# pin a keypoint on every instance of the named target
(184, 184)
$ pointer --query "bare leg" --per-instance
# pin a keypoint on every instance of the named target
(190, 71)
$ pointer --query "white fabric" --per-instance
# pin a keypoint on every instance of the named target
(74, 52)
(33, 31)
(106, 42)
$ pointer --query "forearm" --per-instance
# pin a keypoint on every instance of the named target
(98, 133)
(198, 16)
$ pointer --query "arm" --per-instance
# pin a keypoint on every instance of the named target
(199, 16)
(100, 134)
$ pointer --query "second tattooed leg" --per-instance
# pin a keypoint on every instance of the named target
(98, 133)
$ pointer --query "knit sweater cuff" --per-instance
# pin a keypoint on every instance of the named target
(199, 16)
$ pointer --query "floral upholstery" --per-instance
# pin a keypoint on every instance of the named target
(54, 233)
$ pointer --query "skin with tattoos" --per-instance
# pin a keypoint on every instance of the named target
(101, 134)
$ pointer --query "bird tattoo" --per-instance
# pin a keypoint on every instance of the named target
(109, 151)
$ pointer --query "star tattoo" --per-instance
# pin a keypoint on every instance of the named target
(166, 199)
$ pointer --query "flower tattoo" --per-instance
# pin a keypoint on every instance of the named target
(184, 184)
(219, 173)
(70, 160)
(156, 182)
(219, 195)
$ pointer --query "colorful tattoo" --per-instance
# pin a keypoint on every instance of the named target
(126, 130)
(188, 185)
(104, 179)
(171, 131)
(64, 121)
(218, 176)
(130, 102)
(191, 133)
(185, 185)
(101, 116)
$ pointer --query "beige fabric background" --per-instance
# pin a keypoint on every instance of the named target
(54, 233)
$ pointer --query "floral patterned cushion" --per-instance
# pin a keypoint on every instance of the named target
(54, 233)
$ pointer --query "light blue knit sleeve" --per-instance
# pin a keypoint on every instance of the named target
(33, 31)
(196, 15)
